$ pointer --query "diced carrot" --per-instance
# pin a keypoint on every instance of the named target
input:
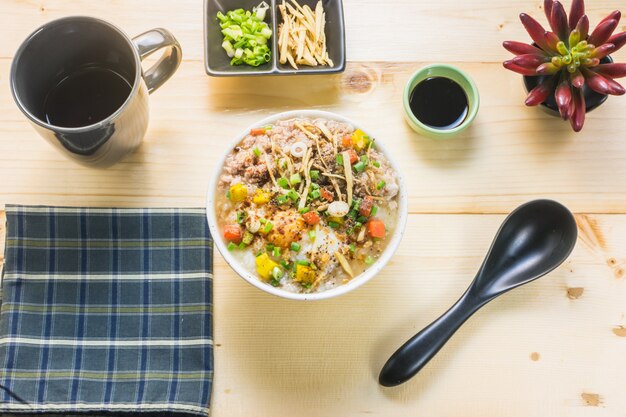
(353, 156)
(232, 233)
(326, 195)
(376, 228)
(257, 132)
(365, 209)
(311, 218)
(346, 141)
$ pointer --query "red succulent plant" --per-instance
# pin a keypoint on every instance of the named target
(568, 57)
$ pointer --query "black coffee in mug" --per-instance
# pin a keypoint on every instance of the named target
(85, 97)
(80, 82)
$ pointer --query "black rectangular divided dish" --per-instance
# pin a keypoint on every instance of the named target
(217, 63)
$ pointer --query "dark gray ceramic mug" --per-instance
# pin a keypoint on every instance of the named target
(66, 45)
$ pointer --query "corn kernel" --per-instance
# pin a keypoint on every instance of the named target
(261, 197)
(238, 193)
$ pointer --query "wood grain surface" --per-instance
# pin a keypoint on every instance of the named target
(555, 347)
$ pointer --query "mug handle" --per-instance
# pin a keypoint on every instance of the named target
(151, 41)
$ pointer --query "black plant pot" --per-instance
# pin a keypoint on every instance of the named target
(592, 98)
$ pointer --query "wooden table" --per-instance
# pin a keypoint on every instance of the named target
(556, 347)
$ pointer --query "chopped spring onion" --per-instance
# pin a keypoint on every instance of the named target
(276, 252)
(277, 273)
(247, 238)
(232, 246)
(263, 220)
(293, 195)
(246, 35)
(282, 199)
(269, 247)
(374, 211)
(282, 182)
(333, 225)
(362, 219)
(228, 194)
(295, 179)
(352, 247)
(257, 152)
(376, 164)
(364, 159)
(284, 264)
(359, 166)
(315, 194)
(339, 159)
(315, 174)
(304, 210)
(242, 245)
(295, 247)
(381, 185)
(241, 217)
(268, 227)
(369, 260)
(303, 262)
(312, 234)
(315, 186)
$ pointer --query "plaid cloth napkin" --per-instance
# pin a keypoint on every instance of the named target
(106, 310)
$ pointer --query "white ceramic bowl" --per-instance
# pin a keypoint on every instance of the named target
(357, 281)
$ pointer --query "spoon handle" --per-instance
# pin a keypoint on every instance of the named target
(417, 351)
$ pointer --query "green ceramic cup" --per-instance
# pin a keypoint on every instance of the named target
(453, 73)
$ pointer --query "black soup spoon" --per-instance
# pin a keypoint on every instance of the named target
(533, 240)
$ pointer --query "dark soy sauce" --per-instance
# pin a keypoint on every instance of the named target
(439, 102)
(85, 97)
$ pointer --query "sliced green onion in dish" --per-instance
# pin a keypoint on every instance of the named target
(339, 159)
(276, 252)
(268, 227)
(369, 260)
(232, 246)
(293, 195)
(315, 174)
(247, 238)
(381, 185)
(295, 179)
(295, 247)
(282, 182)
(277, 273)
(312, 234)
(257, 152)
(246, 35)
(303, 262)
(359, 166)
(374, 211)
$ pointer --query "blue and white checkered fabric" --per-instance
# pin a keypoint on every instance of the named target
(106, 310)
